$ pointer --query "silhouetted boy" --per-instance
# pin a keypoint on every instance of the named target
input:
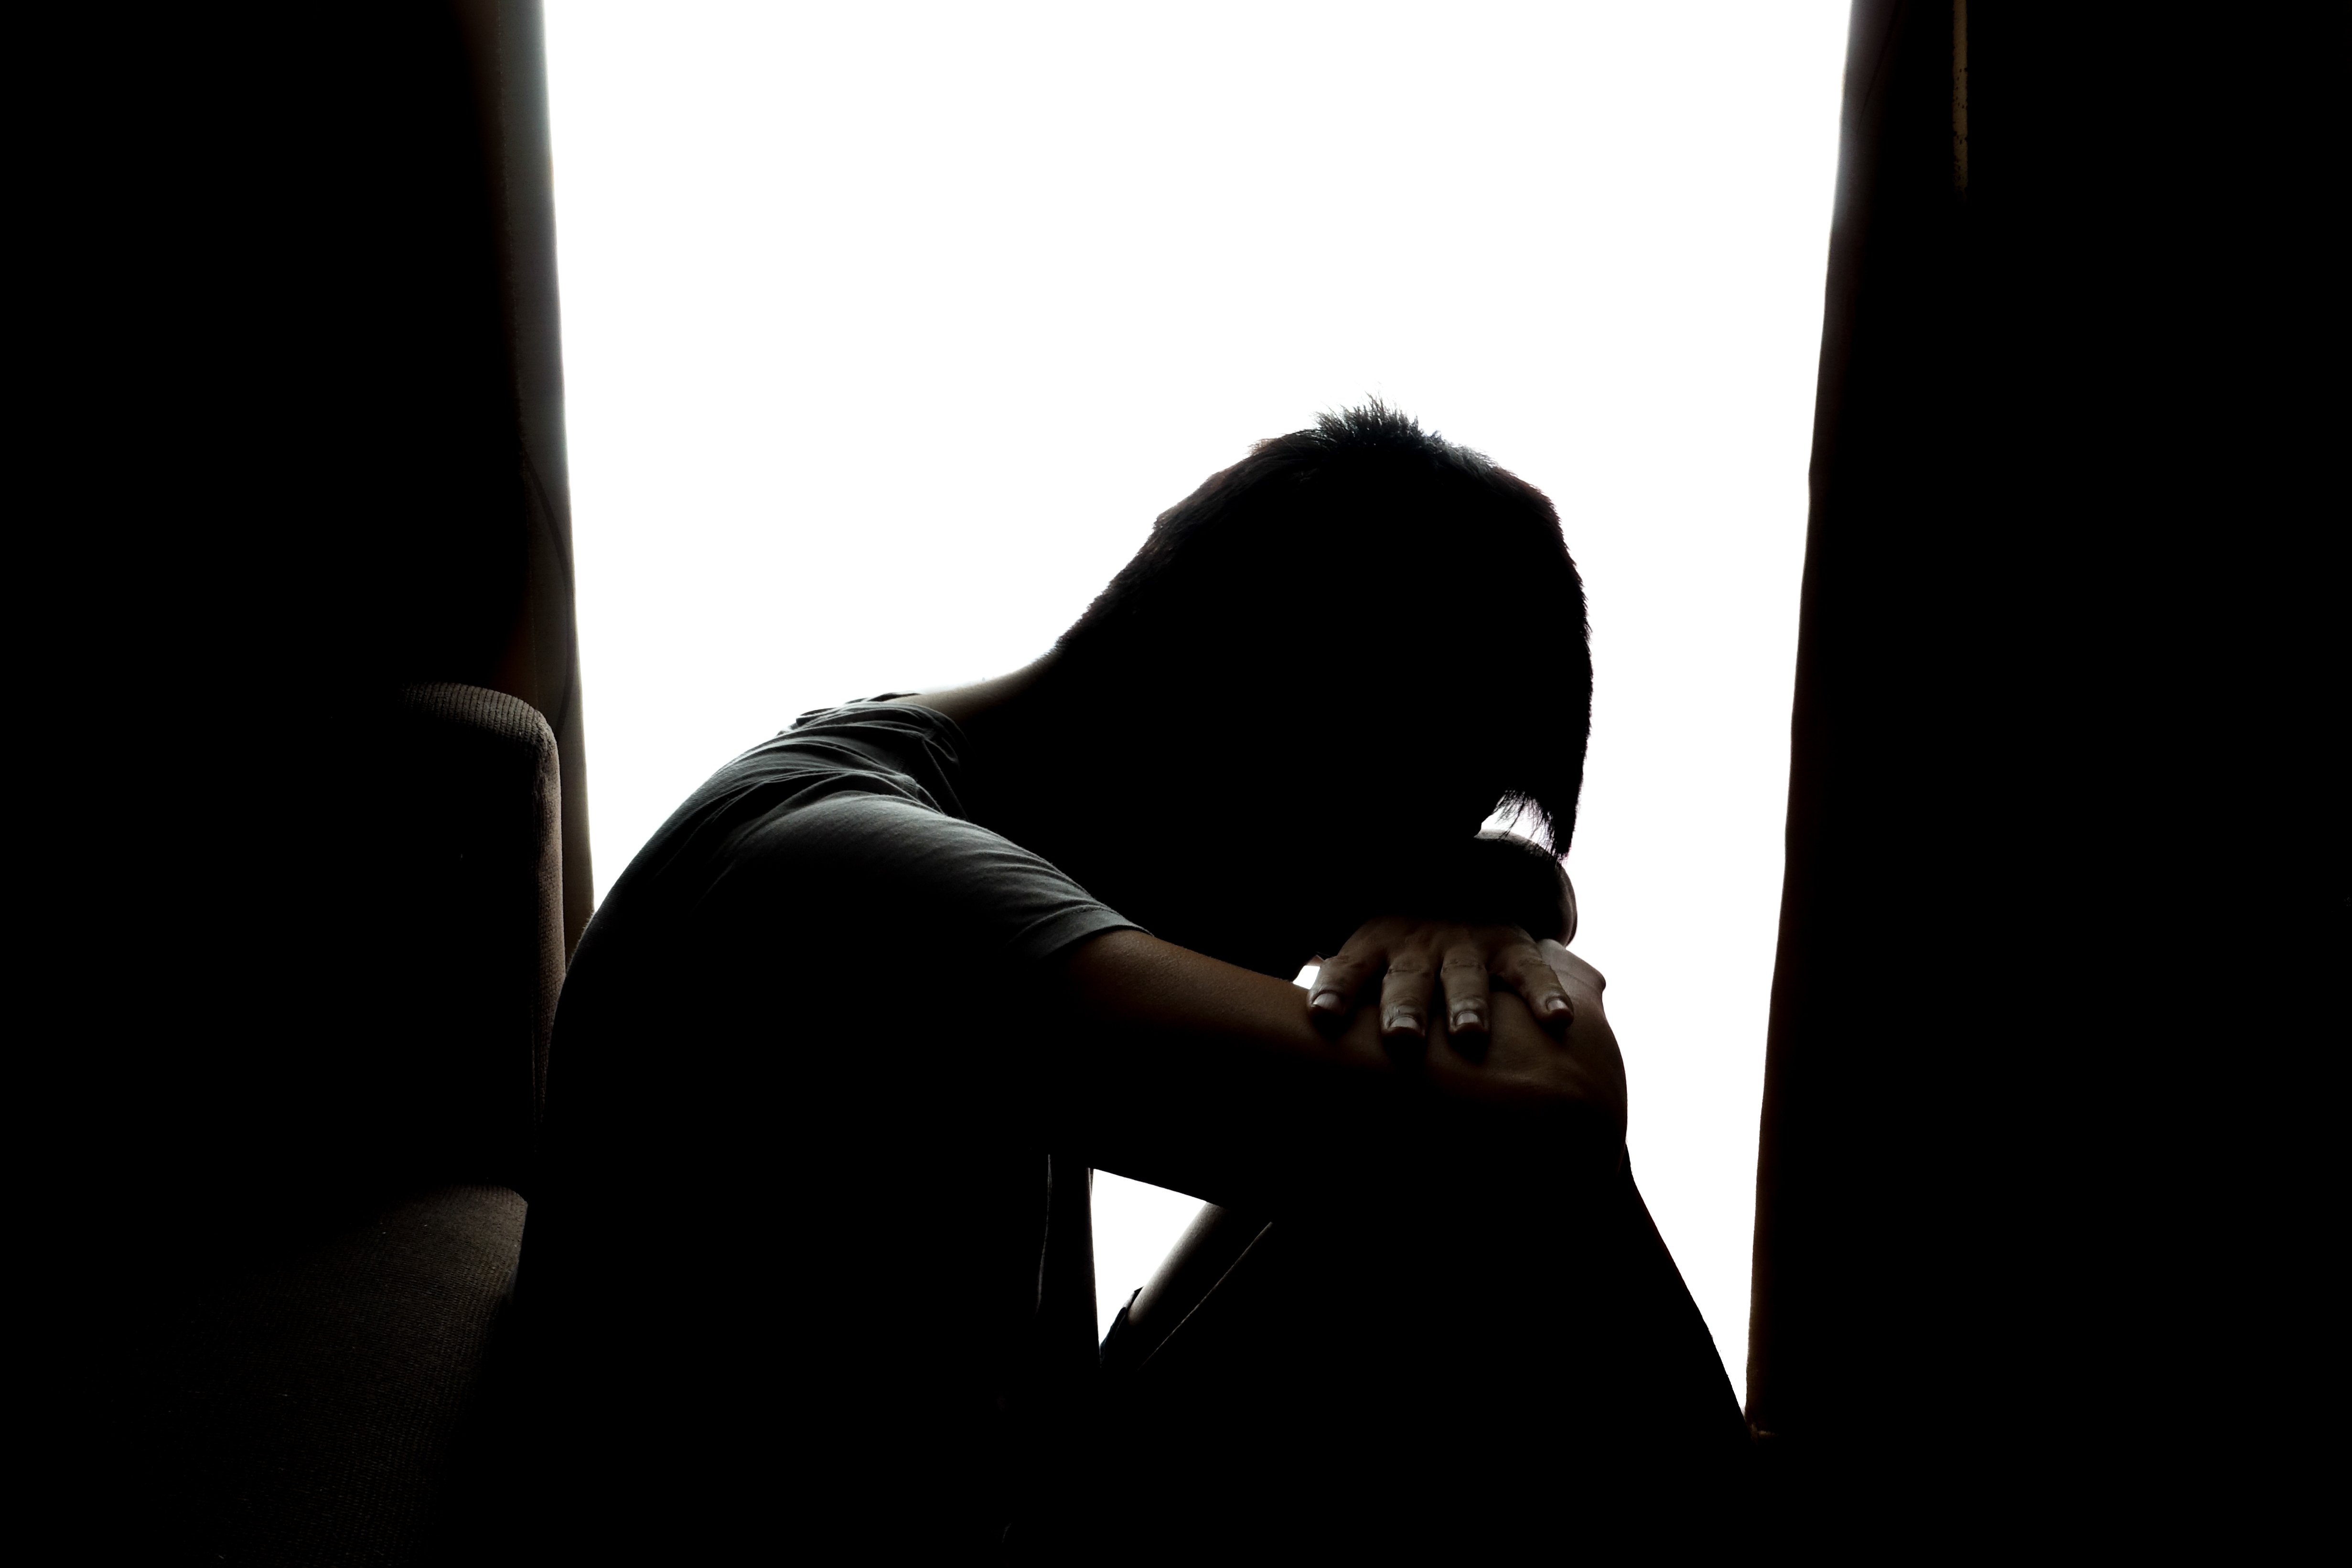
(835, 1056)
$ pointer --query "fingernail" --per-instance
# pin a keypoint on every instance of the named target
(1409, 1023)
(1555, 1005)
(1464, 1018)
(1326, 1002)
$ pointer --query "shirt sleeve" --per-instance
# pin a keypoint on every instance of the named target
(857, 855)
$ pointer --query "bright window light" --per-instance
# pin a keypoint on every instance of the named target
(889, 327)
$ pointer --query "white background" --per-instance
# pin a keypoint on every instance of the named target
(889, 327)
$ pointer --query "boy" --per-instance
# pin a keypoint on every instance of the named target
(835, 1053)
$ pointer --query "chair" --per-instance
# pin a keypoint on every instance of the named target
(320, 1366)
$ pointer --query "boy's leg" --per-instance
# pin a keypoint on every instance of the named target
(1537, 1378)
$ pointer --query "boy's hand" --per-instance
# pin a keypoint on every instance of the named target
(1496, 878)
(1412, 962)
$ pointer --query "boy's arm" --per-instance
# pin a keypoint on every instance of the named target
(1220, 1234)
(1179, 1070)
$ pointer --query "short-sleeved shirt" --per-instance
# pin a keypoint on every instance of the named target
(791, 1142)
(861, 803)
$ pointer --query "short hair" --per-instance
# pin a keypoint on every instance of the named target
(1364, 536)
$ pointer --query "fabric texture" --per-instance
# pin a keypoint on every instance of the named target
(311, 1405)
(853, 805)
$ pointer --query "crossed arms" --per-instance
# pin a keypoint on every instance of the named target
(1179, 1070)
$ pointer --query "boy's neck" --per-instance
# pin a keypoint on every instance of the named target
(1036, 769)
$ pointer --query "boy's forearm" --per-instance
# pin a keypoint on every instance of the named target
(1177, 1069)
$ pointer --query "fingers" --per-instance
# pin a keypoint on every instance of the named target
(1415, 962)
(1464, 977)
(1404, 997)
(1522, 968)
(1341, 981)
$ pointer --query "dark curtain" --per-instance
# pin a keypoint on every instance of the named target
(2063, 928)
(305, 408)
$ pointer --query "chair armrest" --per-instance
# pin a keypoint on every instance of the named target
(466, 940)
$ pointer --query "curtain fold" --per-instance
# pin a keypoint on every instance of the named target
(2063, 918)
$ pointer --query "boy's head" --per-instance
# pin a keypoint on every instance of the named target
(1365, 599)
